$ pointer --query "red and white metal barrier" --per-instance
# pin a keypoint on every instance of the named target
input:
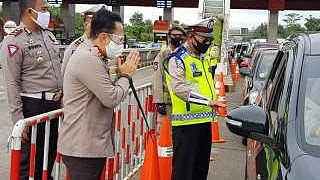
(130, 134)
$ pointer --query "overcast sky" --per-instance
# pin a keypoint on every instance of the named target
(238, 18)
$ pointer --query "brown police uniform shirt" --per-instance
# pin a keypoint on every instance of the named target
(160, 90)
(89, 99)
(31, 64)
(71, 49)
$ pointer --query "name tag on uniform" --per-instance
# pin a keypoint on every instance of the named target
(34, 46)
(195, 70)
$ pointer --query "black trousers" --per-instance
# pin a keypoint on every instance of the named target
(32, 107)
(191, 151)
(84, 168)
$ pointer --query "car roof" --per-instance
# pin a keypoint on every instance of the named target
(314, 44)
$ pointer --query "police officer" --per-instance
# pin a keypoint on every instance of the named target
(212, 57)
(31, 65)
(81, 40)
(193, 102)
(176, 36)
(87, 131)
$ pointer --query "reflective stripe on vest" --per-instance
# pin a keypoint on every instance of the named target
(183, 117)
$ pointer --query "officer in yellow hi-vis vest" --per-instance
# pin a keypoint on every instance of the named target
(193, 97)
(212, 57)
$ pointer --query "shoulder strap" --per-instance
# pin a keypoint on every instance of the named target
(178, 55)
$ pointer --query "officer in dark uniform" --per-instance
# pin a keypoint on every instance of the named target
(31, 65)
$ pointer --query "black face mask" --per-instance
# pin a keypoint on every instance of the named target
(176, 42)
(202, 47)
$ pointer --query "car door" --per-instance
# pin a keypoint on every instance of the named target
(267, 161)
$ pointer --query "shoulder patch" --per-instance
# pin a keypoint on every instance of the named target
(53, 38)
(16, 32)
(12, 49)
(155, 66)
(78, 42)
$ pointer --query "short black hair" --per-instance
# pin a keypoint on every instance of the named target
(104, 21)
(25, 4)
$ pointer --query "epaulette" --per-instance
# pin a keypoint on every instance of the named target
(27, 31)
(16, 32)
(78, 42)
(179, 55)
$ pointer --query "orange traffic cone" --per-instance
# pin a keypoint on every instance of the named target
(237, 75)
(215, 133)
(219, 82)
(233, 67)
(222, 111)
(165, 151)
(150, 168)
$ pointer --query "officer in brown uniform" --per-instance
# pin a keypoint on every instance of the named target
(31, 65)
(81, 40)
(86, 138)
(176, 36)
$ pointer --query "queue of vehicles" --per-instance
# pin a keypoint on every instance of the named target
(281, 111)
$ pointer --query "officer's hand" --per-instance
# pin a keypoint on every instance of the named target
(161, 108)
(216, 104)
(25, 137)
(130, 66)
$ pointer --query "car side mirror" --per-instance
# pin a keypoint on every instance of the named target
(251, 122)
(245, 71)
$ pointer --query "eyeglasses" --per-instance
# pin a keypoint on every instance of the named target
(118, 39)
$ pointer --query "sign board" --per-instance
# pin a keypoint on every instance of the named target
(164, 3)
(9, 26)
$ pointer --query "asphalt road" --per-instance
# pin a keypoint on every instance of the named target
(229, 157)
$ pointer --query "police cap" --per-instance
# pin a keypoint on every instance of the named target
(204, 27)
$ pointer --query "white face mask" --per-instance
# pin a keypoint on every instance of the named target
(114, 50)
(43, 19)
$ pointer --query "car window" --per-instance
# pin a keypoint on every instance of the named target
(264, 66)
(311, 86)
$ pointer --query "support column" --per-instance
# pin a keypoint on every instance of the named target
(68, 12)
(168, 14)
(119, 10)
(15, 15)
(6, 8)
(273, 26)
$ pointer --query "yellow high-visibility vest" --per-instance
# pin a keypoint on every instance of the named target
(198, 76)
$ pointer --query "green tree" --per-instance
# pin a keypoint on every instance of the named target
(292, 19)
(55, 11)
(282, 32)
(312, 24)
(292, 23)
(138, 28)
(261, 31)
(136, 19)
(79, 29)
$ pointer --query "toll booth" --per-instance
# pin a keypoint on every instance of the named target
(160, 31)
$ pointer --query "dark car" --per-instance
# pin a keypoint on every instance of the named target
(257, 74)
(285, 126)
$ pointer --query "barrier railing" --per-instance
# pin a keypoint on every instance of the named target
(130, 134)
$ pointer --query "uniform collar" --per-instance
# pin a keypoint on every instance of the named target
(96, 51)
(190, 52)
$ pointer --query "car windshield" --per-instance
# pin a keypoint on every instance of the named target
(311, 84)
(264, 65)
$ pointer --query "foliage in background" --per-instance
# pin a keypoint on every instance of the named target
(139, 28)
(55, 12)
(312, 24)
(292, 25)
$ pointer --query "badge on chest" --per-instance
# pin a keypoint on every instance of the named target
(195, 70)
